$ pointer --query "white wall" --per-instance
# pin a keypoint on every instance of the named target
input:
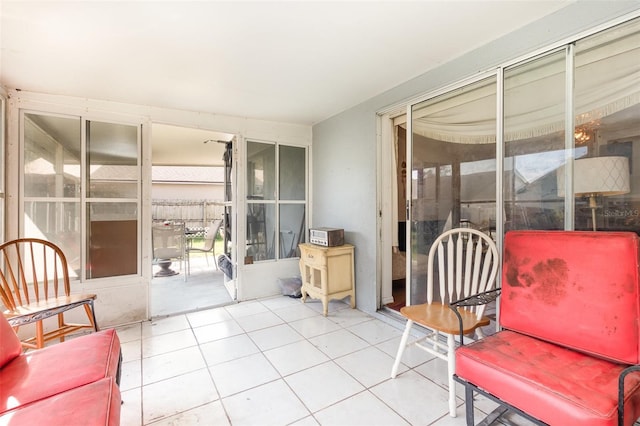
(344, 146)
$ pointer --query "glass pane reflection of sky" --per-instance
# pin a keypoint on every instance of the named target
(533, 166)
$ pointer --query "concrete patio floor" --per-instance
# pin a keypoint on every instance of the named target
(204, 288)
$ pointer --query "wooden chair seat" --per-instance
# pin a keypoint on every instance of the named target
(437, 316)
(45, 308)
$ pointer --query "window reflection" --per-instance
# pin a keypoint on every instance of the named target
(607, 102)
(534, 99)
(52, 171)
(112, 157)
(453, 164)
(59, 222)
(292, 173)
(292, 229)
(453, 170)
(51, 156)
(261, 216)
(292, 195)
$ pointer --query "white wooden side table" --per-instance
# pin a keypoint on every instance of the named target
(327, 273)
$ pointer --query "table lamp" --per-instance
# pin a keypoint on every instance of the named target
(595, 176)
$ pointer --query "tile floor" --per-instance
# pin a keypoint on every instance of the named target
(277, 361)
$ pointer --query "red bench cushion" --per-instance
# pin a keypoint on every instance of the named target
(10, 346)
(554, 384)
(58, 368)
(95, 404)
(577, 289)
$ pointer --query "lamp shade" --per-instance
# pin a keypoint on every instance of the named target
(597, 175)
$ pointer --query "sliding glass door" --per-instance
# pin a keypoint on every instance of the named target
(572, 132)
(564, 127)
(453, 170)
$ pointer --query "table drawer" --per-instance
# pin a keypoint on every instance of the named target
(314, 258)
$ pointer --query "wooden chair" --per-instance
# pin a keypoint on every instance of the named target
(35, 286)
(467, 264)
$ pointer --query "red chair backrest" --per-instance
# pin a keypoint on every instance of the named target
(10, 346)
(575, 289)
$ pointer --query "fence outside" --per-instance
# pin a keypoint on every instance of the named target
(194, 213)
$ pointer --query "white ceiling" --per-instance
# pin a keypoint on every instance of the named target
(294, 61)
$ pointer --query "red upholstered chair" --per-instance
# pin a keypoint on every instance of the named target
(95, 404)
(30, 378)
(570, 318)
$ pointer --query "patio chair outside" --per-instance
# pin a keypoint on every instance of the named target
(168, 240)
(210, 234)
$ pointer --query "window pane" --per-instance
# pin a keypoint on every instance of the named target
(51, 156)
(112, 155)
(292, 173)
(607, 131)
(534, 134)
(292, 229)
(58, 222)
(261, 171)
(112, 240)
(261, 230)
(453, 163)
(453, 170)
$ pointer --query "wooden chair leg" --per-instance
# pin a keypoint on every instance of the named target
(403, 344)
(39, 335)
(61, 324)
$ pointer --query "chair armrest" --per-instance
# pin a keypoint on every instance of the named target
(623, 374)
(475, 300)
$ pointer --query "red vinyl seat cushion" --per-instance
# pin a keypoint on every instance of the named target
(557, 385)
(55, 369)
(94, 404)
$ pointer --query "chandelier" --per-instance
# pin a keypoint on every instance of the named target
(584, 131)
